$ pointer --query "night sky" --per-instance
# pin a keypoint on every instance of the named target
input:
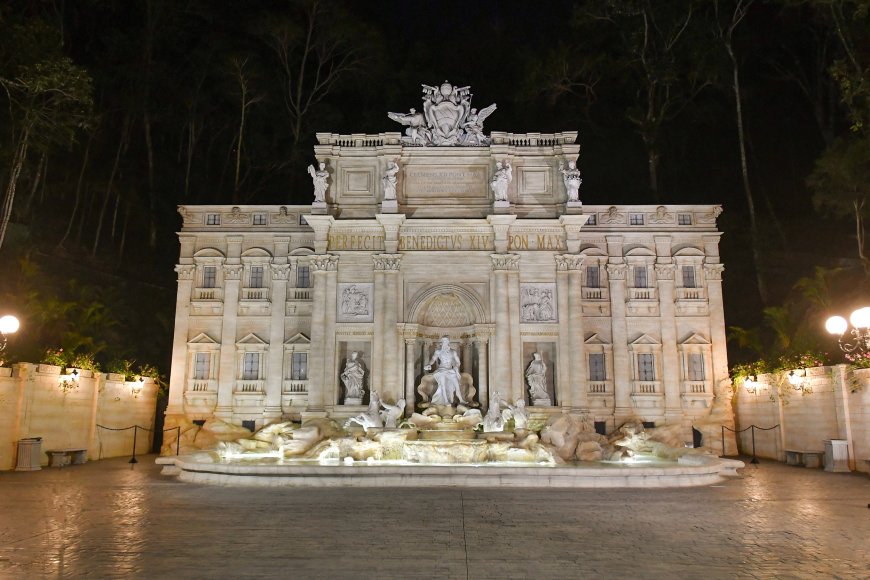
(88, 257)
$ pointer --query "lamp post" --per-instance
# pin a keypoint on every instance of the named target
(8, 325)
(859, 343)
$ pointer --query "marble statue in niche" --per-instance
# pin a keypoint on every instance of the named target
(319, 178)
(538, 302)
(500, 180)
(355, 302)
(572, 180)
(446, 375)
(536, 377)
(352, 377)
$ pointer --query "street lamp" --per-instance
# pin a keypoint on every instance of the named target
(8, 325)
(860, 341)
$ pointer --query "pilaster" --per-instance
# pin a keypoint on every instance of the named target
(275, 368)
(501, 374)
(320, 378)
(713, 277)
(621, 362)
(227, 365)
(409, 336)
(179, 339)
(388, 265)
(670, 357)
(500, 226)
(571, 265)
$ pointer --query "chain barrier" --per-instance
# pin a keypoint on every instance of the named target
(136, 428)
(736, 431)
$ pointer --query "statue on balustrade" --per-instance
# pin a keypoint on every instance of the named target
(319, 178)
(572, 180)
(446, 386)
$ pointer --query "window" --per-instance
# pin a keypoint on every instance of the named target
(635, 219)
(200, 366)
(259, 219)
(684, 219)
(696, 366)
(256, 277)
(597, 370)
(303, 277)
(640, 279)
(299, 366)
(213, 219)
(592, 221)
(209, 277)
(251, 366)
(646, 367)
(688, 276)
(593, 279)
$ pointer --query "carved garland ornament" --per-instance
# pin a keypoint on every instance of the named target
(388, 262)
(566, 262)
(324, 262)
(505, 261)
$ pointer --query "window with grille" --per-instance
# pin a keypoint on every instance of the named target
(251, 366)
(684, 219)
(593, 278)
(213, 219)
(209, 277)
(201, 366)
(640, 278)
(635, 219)
(646, 367)
(696, 367)
(256, 277)
(303, 277)
(299, 366)
(259, 219)
(597, 370)
(688, 276)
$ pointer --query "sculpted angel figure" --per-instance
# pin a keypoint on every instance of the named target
(390, 181)
(352, 376)
(418, 133)
(474, 125)
(571, 178)
(503, 176)
(319, 177)
(536, 377)
(446, 375)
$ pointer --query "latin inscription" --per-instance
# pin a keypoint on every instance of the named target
(446, 242)
(429, 182)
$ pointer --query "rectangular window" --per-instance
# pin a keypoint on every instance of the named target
(593, 280)
(251, 366)
(212, 219)
(597, 371)
(259, 219)
(696, 367)
(201, 366)
(640, 279)
(256, 277)
(303, 278)
(635, 219)
(688, 276)
(209, 277)
(592, 221)
(299, 366)
(684, 219)
(646, 367)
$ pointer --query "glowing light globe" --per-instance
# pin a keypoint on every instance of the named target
(836, 325)
(861, 318)
(8, 324)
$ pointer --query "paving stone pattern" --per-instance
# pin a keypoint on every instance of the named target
(108, 519)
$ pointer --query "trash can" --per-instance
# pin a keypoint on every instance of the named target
(29, 454)
(837, 455)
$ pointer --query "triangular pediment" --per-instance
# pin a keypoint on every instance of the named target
(297, 339)
(202, 338)
(595, 338)
(251, 339)
(645, 339)
(696, 338)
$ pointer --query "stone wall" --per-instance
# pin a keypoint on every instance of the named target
(33, 404)
(836, 406)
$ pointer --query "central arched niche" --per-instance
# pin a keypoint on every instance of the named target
(446, 306)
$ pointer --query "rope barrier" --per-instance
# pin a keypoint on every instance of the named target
(753, 427)
(136, 428)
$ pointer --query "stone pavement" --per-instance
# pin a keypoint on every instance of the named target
(110, 519)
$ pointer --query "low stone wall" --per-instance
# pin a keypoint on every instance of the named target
(837, 406)
(33, 404)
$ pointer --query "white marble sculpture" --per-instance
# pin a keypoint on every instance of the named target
(520, 415)
(446, 375)
(352, 377)
(447, 119)
(538, 302)
(355, 302)
(495, 418)
(391, 413)
(389, 180)
(371, 419)
(536, 377)
(319, 178)
(572, 180)
(500, 181)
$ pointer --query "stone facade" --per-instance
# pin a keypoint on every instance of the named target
(624, 303)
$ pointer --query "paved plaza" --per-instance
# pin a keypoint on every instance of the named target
(111, 519)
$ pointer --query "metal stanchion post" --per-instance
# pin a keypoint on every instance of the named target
(754, 458)
(178, 440)
(135, 431)
(723, 440)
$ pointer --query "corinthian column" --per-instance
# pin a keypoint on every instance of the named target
(179, 340)
(409, 334)
(275, 368)
(387, 349)
(670, 357)
(502, 379)
(228, 364)
(571, 265)
(320, 379)
(621, 361)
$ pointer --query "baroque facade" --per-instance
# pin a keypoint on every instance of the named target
(485, 243)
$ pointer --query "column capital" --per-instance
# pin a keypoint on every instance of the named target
(482, 332)
(324, 262)
(616, 271)
(387, 262)
(233, 271)
(566, 262)
(185, 271)
(505, 261)
(409, 332)
(280, 271)
(665, 271)
(713, 271)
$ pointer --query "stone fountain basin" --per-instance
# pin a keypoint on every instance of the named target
(447, 434)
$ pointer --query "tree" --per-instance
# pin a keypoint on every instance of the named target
(49, 98)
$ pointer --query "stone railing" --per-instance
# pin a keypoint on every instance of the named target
(641, 293)
(595, 294)
(647, 387)
(255, 294)
(690, 294)
(208, 294)
(250, 386)
(359, 139)
(299, 294)
(295, 386)
(534, 139)
(201, 385)
(600, 387)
